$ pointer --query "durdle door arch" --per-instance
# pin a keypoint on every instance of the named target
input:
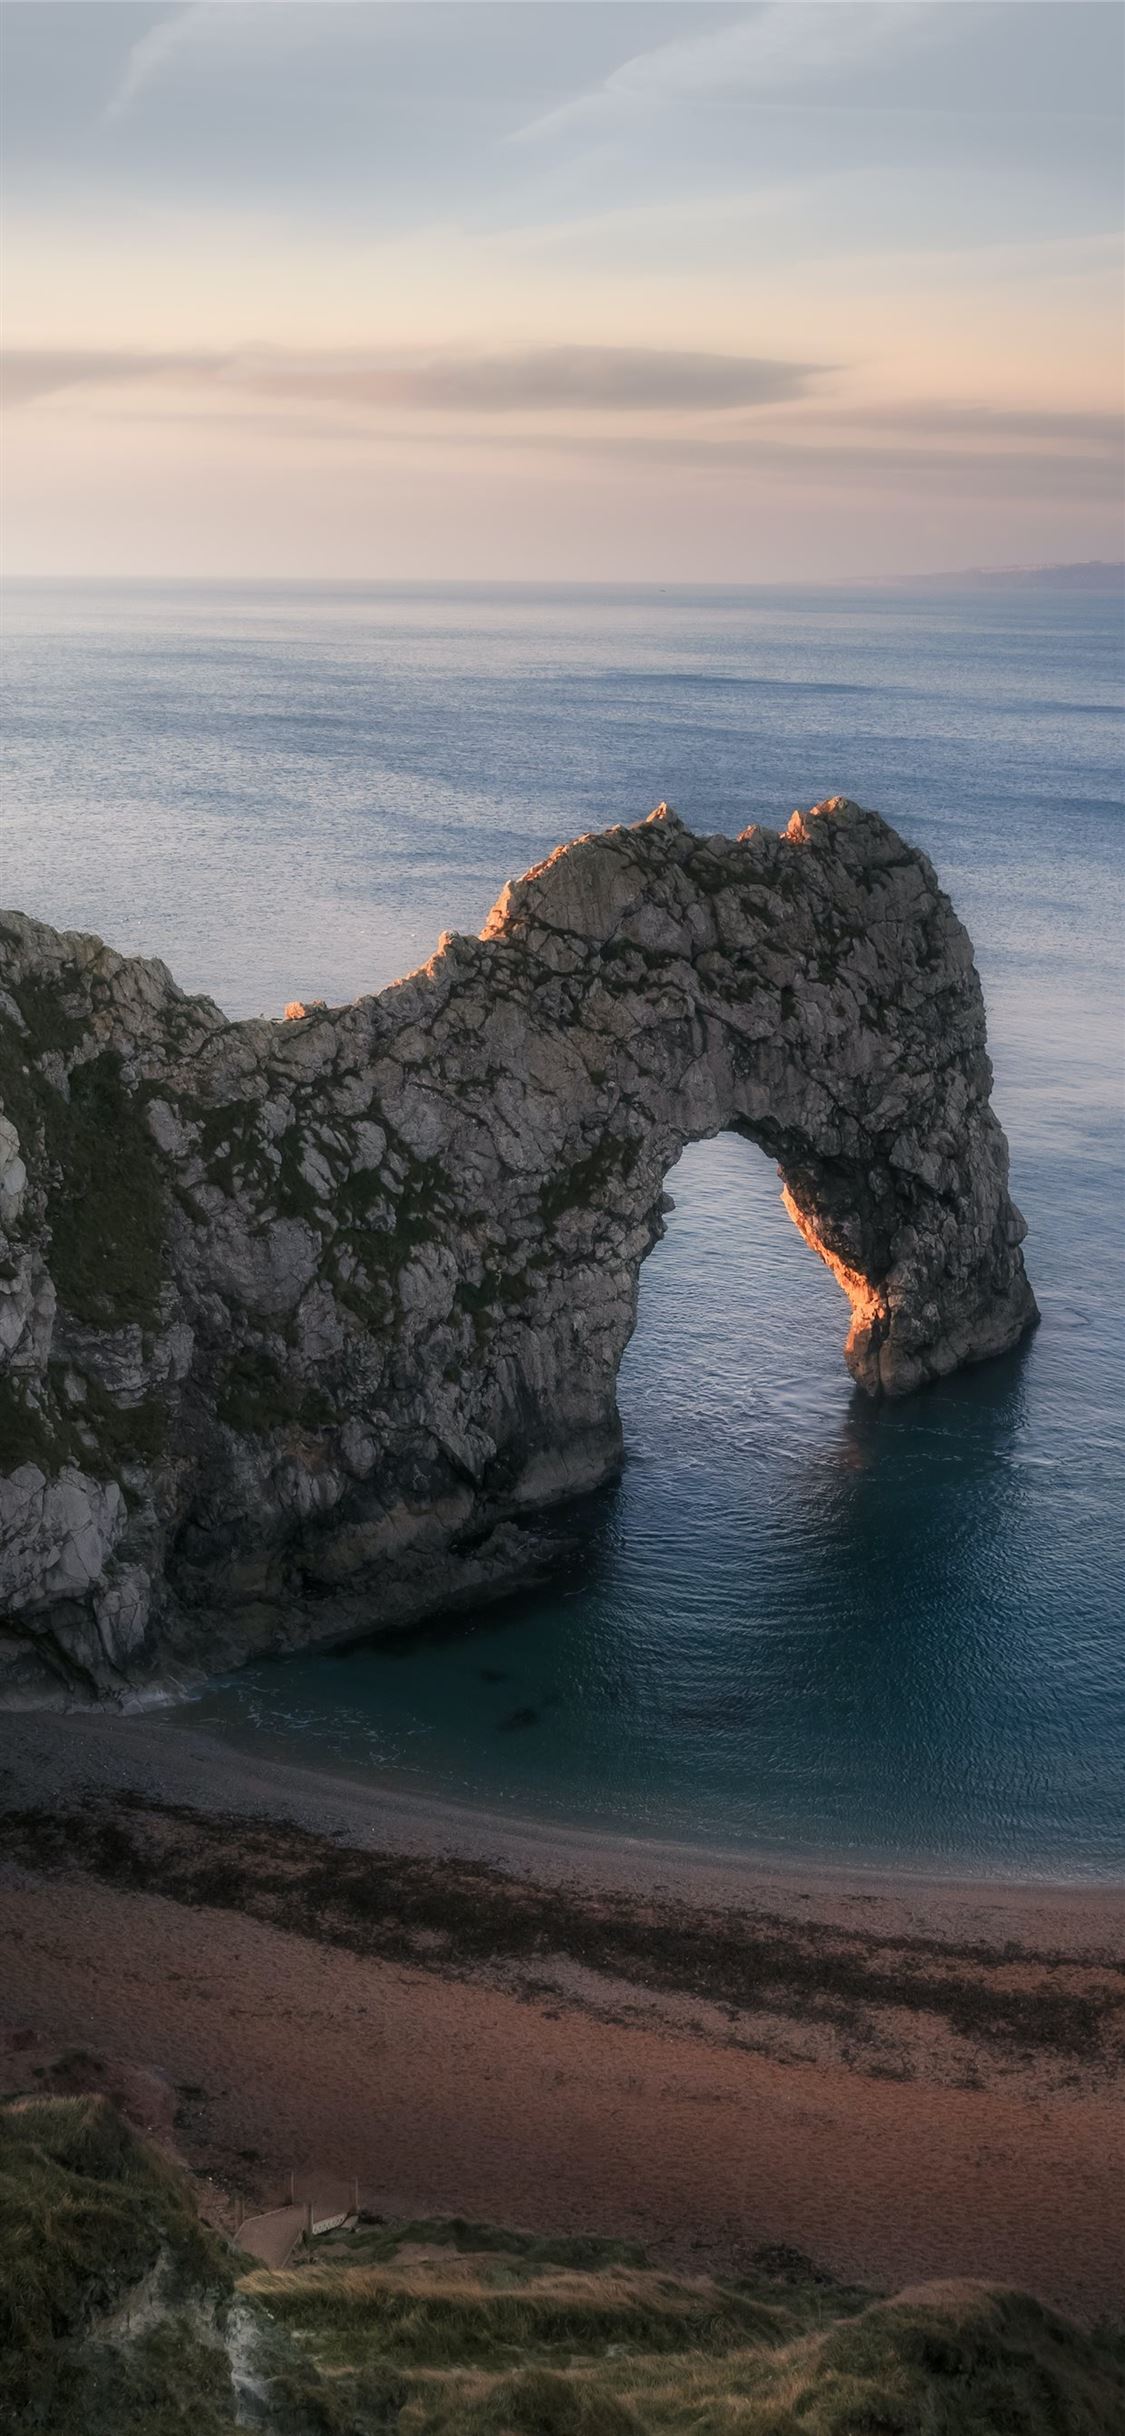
(308, 1323)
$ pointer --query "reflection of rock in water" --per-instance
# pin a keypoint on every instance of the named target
(517, 1718)
(310, 1322)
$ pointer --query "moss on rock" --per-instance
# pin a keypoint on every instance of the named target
(107, 1204)
(258, 1396)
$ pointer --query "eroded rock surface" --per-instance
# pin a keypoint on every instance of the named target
(306, 1324)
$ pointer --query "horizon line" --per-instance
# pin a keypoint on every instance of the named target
(598, 583)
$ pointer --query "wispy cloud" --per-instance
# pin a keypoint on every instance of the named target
(778, 47)
(548, 379)
(151, 54)
(252, 31)
(28, 373)
(714, 389)
(946, 420)
(833, 466)
(917, 449)
(743, 420)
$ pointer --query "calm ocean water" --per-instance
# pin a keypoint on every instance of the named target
(801, 1623)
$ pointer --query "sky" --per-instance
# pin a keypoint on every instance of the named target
(590, 290)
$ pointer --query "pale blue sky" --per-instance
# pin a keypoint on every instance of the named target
(569, 287)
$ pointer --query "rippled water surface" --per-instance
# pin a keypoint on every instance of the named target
(801, 1623)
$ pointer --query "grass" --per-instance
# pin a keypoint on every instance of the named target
(450, 2328)
(951, 2360)
(469, 2313)
(90, 2216)
(374, 2243)
(502, 2341)
(167, 2383)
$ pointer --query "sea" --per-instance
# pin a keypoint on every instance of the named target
(802, 1625)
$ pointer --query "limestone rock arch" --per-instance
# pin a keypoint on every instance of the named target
(353, 1317)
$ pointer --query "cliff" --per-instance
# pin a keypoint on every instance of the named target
(305, 1324)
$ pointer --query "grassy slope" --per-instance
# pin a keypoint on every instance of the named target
(480, 2336)
(453, 2329)
(91, 2220)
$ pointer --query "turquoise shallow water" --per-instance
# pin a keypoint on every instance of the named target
(800, 1624)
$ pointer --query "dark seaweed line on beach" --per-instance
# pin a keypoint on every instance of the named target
(452, 1914)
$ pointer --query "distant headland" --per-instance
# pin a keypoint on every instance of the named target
(1076, 575)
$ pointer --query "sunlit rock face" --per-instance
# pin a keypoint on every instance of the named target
(306, 1325)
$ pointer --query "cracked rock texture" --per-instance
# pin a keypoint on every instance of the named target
(306, 1325)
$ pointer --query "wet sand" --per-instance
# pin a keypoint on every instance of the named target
(902, 2078)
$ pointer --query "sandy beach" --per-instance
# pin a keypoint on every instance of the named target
(901, 2078)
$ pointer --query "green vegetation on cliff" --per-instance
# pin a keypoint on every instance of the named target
(96, 2230)
(107, 1207)
(106, 1204)
(121, 2315)
(486, 2336)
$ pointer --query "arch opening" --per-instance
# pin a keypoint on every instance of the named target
(737, 1326)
